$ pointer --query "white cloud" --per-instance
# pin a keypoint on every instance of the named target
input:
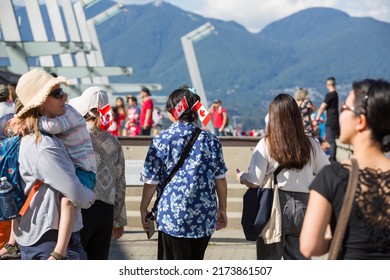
(254, 14)
(379, 9)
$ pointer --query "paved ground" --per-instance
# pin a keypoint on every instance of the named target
(227, 244)
(224, 245)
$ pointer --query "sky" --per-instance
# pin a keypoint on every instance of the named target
(254, 15)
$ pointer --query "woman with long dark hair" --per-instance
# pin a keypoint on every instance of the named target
(364, 124)
(301, 157)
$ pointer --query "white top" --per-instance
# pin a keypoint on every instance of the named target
(296, 180)
(48, 162)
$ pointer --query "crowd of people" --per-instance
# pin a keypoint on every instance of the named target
(71, 149)
(291, 142)
(134, 119)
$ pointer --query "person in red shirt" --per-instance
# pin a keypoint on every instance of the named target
(220, 117)
(146, 120)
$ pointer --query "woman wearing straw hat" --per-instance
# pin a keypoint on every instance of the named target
(43, 157)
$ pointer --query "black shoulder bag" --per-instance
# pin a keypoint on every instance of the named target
(187, 149)
(257, 207)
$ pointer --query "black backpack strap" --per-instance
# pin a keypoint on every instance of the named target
(276, 172)
(185, 153)
(183, 156)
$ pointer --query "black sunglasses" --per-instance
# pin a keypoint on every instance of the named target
(57, 93)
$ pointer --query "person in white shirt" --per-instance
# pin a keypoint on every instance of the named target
(286, 144)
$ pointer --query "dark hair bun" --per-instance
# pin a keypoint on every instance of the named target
(175, 97)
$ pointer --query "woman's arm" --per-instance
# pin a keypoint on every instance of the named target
(147, 195)
(312, 239)
(242, 181)
(313, 107)
(221, 186)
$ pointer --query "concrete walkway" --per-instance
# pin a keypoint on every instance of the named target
(226, 244)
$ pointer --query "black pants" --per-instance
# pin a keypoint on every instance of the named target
(331, 135)
(176, 248)
(97, 230)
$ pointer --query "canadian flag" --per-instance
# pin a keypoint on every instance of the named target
(179, 108)
(203, 114)
(106, 119)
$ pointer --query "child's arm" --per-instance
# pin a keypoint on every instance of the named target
(60, 124)
(67, 219)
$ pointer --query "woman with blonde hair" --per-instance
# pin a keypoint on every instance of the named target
(306, 108)
(43, 157)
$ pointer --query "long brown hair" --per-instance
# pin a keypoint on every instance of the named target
(287, 141)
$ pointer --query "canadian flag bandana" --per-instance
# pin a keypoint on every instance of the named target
(106, 119)
(179, 108)
(203, 114)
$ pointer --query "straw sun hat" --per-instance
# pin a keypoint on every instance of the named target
(34, 87)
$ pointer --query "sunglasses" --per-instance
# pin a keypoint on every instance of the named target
(57, 93)
(345, 107)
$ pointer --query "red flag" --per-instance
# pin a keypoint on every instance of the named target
(203, 114)
(179, 108)
(106, 119)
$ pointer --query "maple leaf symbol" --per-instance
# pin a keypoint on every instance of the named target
(201, 113)
(179, 108)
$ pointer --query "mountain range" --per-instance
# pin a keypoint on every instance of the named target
(243, 69)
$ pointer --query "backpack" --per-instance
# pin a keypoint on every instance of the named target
(9, 167)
